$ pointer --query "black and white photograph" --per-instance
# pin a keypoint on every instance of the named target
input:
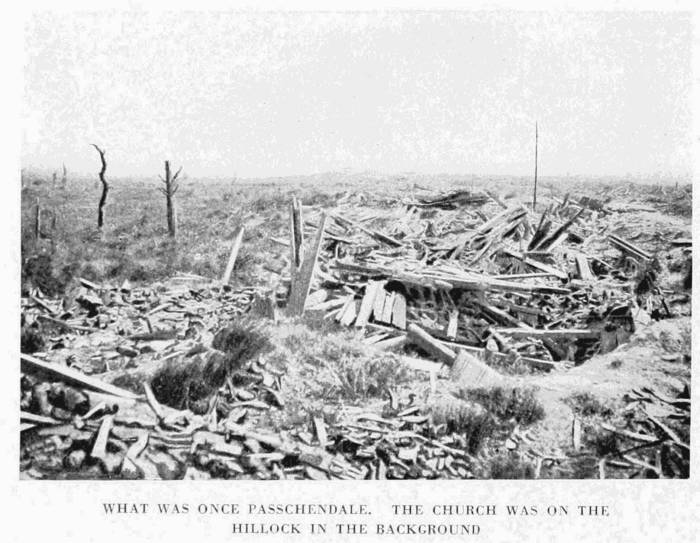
(367, 245)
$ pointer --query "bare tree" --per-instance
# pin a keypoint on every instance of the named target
(105, 189)
(169, 191)
(64, 179)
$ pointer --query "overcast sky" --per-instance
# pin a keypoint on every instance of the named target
(268, 94)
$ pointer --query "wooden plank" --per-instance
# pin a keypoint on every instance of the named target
(584, 270)
(536, 264)
(29, 364)
(452, 324)
(378, 306)
(25, 416)
(373, 233)
(429, 344)
(628, 247)
(349, 314)
(344, 308)
(388, 308)
(237, 240)
(99, 449)
(302, 283)
(316, 298)
(321, 433)
(567, 333)
(391, 343)
(537, 363)
(329, 304)
(398, 316)
(469, 371)
(367, 303)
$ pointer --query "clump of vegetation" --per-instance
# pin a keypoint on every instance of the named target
(508, 403)
(31, 340)
(39, 271)
(189, 382)
(505, 465)
(242, 340)
(338, 367)
(585, 404)
(451, 415)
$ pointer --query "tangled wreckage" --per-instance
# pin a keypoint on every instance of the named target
(153, 381)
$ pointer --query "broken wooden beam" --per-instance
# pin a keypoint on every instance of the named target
(627, 247)
(237, 240)
(302, 282)
(29, 364)
(536, 264)
(430, 345)
(561, 333)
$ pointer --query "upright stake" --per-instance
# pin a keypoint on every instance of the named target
(105, 189)
(534, 192)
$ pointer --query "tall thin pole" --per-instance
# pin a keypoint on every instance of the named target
(534, 192)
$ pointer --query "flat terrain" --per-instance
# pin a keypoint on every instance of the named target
(532, 424)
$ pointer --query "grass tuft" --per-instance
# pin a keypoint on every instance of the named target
(507, 403)
(506, 465)
(586, 404)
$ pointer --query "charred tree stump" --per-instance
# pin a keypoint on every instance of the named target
(169, 191)
(105, 189)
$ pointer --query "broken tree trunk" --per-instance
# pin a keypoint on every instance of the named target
(105, 189)
(37, 220)
(169, 191)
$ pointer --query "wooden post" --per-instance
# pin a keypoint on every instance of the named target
(534, 192)
(105, 189)
(169, 191)
(296, 241)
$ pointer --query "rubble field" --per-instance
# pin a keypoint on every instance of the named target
(432, 333)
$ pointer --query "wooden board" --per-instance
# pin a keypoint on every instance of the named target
(367, 303)
(388, 307)
(350, 313)
(452, 325)
(237, 241)
(29, 364)
(378, 305)
(398, 317)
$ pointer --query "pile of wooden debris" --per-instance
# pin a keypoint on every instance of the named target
(435, 275)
